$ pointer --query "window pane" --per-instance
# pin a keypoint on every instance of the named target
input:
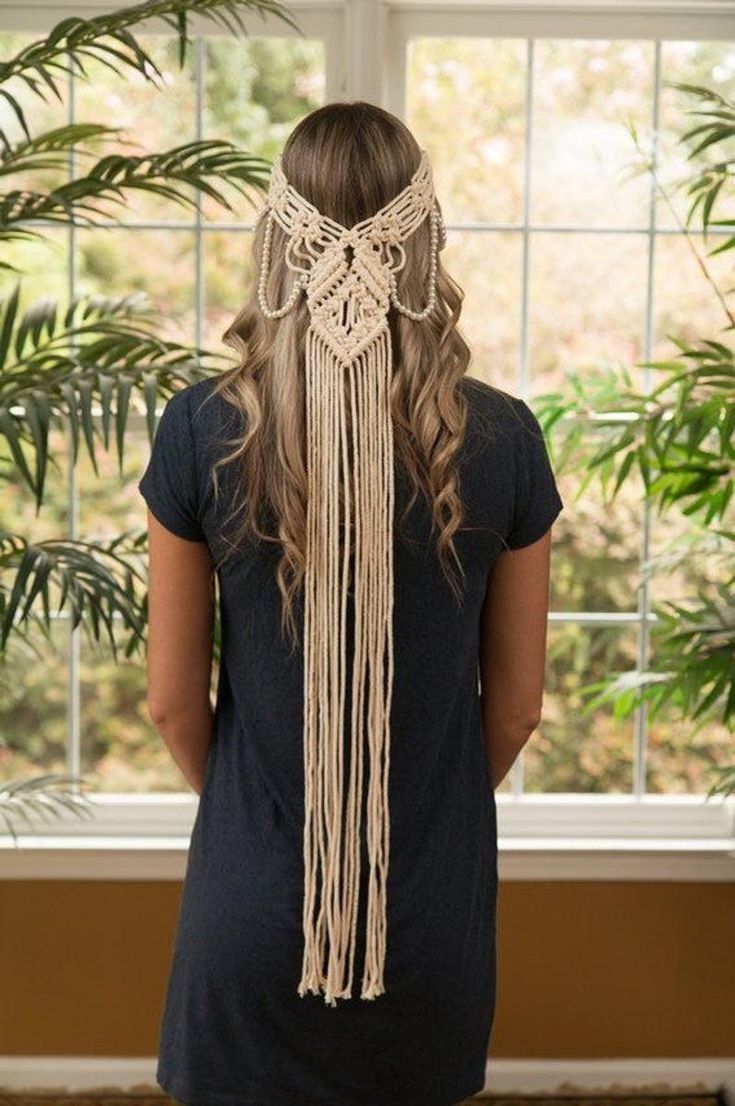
(587, 308)
(596, 548)
(41, 115)
(681, 762)
(154, 118)
(584, 94)
(160, 263)
(120, 750)
(110, 502)
(572, 751)
(114, 728)
(689, 564)
(33, 710)
(18, 513)
(487, 265)
(467, 95)
(35, 672)
(688, 560)
(43, 265)
(587, 303)
(33, 704)
(711, 64)
(229, 278)
(256, 90)
(685, 303)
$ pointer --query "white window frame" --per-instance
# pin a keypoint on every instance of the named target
(551, 836)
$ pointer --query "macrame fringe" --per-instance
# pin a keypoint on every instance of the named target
(331, 850)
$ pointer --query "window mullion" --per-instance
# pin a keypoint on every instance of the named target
(516, 774)
(199, 69)
(640, 722)
(523, 364)
(74, 737)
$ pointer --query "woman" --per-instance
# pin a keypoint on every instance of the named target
(378, 523)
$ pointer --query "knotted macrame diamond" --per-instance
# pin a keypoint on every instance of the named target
(348, 299)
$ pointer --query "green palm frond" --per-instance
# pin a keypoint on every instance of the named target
(86, 365)
(99, 583)
(47, 797)
(50, 150)
(193, 165)
(83, 362)
(107, 39)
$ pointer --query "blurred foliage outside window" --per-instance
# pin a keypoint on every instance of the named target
(587, 301)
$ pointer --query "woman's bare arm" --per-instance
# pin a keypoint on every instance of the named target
(513, 651)
(180, 627)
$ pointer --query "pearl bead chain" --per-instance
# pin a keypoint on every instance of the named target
(418, 316)
(299, 283)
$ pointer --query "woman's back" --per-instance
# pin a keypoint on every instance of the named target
(234, 1028)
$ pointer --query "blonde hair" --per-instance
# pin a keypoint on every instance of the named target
(349, 160)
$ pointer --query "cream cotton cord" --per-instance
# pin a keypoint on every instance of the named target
(348, 367)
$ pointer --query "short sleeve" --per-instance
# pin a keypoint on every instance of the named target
(169, 484)
(537, 498)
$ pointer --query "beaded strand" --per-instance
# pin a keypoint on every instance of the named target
(419, 316)
(299, 283)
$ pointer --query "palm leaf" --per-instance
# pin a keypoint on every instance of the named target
(50, 150)
(106, 38)
(193, 165)
(100, 584)
(82, 363)
(46, 797)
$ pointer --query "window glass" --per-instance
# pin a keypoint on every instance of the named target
(585, 94)
(575, 286)
(468, 95)
(253, 91)
(711, 64)
(573, 750)
(150, 121)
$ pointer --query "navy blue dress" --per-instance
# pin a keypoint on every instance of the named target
(233, 1030)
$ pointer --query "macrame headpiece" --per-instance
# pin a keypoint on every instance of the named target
(349, 277)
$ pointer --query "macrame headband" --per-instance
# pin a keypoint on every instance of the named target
(348, 294)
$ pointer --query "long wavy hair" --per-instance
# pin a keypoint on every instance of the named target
(349, 160)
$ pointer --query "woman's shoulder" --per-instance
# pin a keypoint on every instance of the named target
(209, 411)
(513, 473)
(198, 419)
(188, 399)
(203, 396)
(495, 416)
(498, 416)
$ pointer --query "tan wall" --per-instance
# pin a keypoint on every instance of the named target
(585, 969)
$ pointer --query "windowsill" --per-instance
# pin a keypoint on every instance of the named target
(541, 837)
(57, 857)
